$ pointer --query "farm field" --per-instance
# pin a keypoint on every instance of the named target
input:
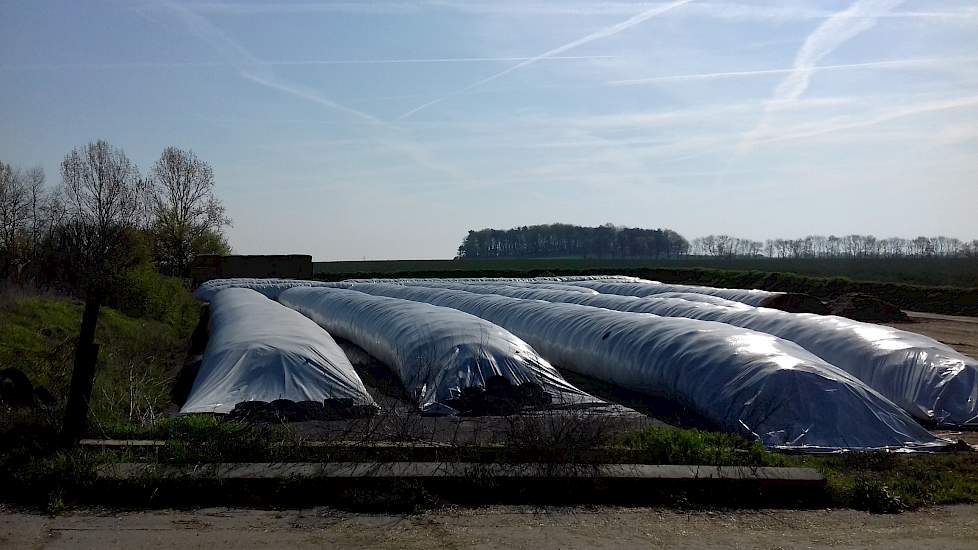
(959, 272)
(941, 299)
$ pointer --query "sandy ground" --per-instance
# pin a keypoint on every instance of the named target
(493, 527)
(961, 333)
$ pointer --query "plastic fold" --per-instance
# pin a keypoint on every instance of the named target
(743, 381)
(259, 350)
(451, 362)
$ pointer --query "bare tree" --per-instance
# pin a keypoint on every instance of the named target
(104, 201)
(38, 198)
(187, 216)
(14, 216)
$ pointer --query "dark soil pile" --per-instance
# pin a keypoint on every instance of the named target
(796, 302)
(863, 307)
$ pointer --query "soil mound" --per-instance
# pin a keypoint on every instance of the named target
(863, 307)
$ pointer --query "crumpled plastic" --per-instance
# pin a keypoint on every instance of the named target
(451, 362)
(259, 350)
(743, 381)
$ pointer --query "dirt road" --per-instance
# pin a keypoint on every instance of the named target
(493, 527)
(961, 333)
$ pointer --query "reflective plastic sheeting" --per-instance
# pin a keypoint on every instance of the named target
(743, 381)
(926, 378)
(270, 288)
(751, 297)
(445, 357)
(611, 284)
(259, 350)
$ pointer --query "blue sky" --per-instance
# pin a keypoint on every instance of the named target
(387, 129)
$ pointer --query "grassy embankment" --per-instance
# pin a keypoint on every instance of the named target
(137, 359)
(951, 300)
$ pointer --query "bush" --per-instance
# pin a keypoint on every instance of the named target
(874, 496)
(146, 294)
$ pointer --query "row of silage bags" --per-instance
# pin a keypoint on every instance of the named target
(786, 301)
(926, 378)
(259, 350)
(634, 286)
(648, 288)
(270, 288)
(450, 361)
(743, 381)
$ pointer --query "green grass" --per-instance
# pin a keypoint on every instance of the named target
(881, 481)
(672, 446)
(136, 359)
(878, 482)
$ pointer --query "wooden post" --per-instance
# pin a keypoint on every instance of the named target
(82, 376)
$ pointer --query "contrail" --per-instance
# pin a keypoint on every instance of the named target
(825, 39)
(892, 64)
(603, 33)
(919, 109)
(837, 30)
(779, 11)
(291, 63)
(922, 108)
(245, 63)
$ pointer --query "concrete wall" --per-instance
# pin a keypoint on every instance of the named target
(290, 266)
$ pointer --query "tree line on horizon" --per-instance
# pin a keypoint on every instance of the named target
(610, 241)
(565, 240)
(832, 246)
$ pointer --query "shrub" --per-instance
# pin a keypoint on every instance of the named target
(146, 294)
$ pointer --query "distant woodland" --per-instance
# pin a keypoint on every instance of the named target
(609, 241)
(563, 240)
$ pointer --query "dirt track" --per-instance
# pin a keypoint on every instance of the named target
(493, 527)
(961, 333)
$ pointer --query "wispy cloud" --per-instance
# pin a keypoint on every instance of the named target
(845, 25)
(602, 33)
(877, 119)
(842, 123)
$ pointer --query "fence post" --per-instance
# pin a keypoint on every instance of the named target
(82, 376)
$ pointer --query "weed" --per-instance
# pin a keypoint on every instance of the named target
(874, 496)
(672, 446)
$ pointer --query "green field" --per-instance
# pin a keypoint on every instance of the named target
(940, 296)
(961, 272)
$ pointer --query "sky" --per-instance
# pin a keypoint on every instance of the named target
(386, 130)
